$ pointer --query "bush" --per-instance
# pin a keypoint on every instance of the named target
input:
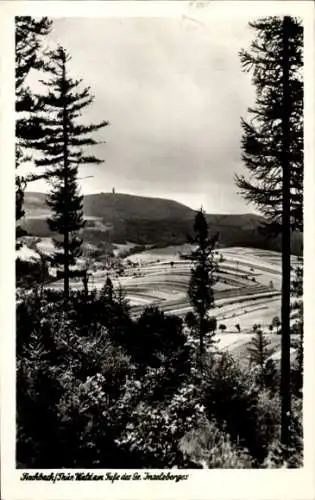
(99, 408)
(276, 323)
(239, 406)
(191, 320)
(291, 456)
(154, 431)
(57, 372)
(29, 274)
(158, 341)
(117, 393)
(212, 448)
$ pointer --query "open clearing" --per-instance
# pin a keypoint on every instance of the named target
(247, 291)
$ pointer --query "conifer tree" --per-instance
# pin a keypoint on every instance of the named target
(62, 147)
(29, 34)
(201, 282)
(108, 290)
(273, 153)
(259, 351)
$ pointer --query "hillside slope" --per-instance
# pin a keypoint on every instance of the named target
(142, 220)
(125, 206)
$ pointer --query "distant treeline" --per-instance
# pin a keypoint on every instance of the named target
(161, 233)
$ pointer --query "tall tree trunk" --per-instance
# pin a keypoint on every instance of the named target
(286, 250)
(65, 165)
(66, 265)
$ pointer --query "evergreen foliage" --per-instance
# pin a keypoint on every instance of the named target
(30, 274)
(259, 352)
(159, 341)
(237, 403)
(108, 290)
(298, 328)
(258, 349)
(273, 153)
(103, 409)
(62, 146)
(262, 141)
(100, 410)
(202, 280)
(29, 34)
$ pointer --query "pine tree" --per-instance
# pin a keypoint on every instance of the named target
(273, 153)
(29, 34)
(258, 351)
(62, 143)
(108, 290)
(202, 280)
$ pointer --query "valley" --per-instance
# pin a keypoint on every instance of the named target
(140, 244)
(247, 291)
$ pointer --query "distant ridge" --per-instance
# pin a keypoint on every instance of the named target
(122, 217)
(129, 206)
(135, 205)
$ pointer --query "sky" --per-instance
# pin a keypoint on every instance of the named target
(173, 92)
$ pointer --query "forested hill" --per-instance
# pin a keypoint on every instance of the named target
(122, 217)
(125, 206)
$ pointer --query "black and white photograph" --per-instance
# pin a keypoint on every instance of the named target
(159, 254)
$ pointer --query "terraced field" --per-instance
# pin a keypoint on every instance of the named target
(247, 290)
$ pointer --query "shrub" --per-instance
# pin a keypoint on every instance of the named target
(212, 448)
(113, 392)
(235, 401)
(271, 377)
(99, 408)
(29, 274)
(259, 351)
(154, 431)
(211, 324)
(56, 370)
(158, 341)
(276, 323)
(280, 456)
(191, 320)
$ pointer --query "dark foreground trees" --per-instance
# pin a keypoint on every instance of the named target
(273, 153)
(85, 399)
(29, 36)
(63, 142)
